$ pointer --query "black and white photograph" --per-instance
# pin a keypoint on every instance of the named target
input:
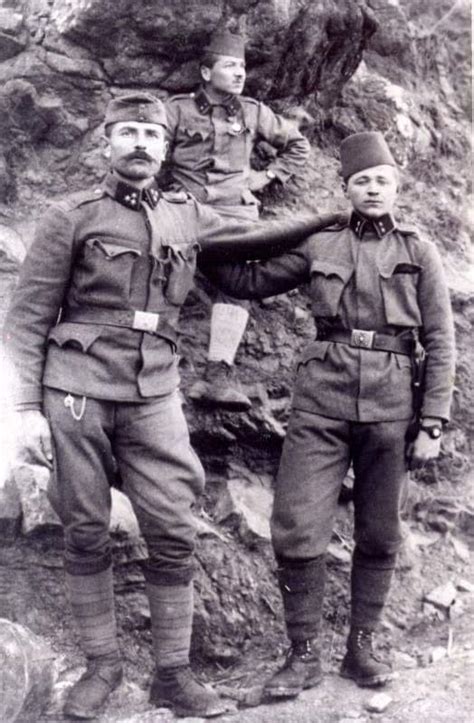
(236, 361)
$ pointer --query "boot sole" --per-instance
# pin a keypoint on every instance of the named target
(186, 712)
(78, 714)
(281, 692)
(223, 406)
(375, 681)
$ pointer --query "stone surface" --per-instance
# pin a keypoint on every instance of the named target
(37, 514)
(249, 503)
(10, 510)
(378, 703)
(26, 674)
(465, 586)
(442, 597)
(438, 654)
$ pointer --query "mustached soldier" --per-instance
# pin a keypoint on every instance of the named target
(211, 134)
(92, 333)
(374, 285)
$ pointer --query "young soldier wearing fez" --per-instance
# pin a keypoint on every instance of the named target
(375, 287)
(92, 331)
(211, 135)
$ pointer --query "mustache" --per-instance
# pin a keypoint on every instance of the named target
(138, 155)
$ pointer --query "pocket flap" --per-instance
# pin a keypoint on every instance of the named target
(185, 250)
(391, 268)
(111, 249)
(82, 335)
(198, 130)
(329, 268)
(315, 350)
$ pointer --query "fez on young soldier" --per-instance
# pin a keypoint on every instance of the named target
(376, 286)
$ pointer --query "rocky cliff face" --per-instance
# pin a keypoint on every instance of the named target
(336, 67)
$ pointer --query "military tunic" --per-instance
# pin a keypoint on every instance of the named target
(95, 250)
(210, 146)
(350, 403)
(92, 332)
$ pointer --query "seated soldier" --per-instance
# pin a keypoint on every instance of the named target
(211, 135)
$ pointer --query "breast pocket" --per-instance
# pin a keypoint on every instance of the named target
(193, 134)
(326, 286)
(399, 284)
(104, 273)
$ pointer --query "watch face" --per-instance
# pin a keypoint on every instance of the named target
(433, 432)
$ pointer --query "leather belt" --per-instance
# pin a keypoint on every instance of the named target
(364, 339)
(148, 321)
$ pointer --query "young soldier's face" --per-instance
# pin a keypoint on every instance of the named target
(227, 75)
(136, 150)
(373, 191)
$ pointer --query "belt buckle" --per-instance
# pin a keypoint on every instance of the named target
(145, 321)
(362, 339)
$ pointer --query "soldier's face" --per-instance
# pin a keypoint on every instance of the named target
(136, 150)
(227, 75)
(373, 191)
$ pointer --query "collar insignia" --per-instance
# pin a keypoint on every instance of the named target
(130, 196)
(232, 105)
(380, 226)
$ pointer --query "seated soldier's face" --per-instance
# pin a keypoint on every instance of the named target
(136, 150)
(373, 191)
(227, 75)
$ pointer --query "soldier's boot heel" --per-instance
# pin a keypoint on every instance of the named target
(301, 670)
(178, 689)
(220, 389)
(361, 663)
(87, 698)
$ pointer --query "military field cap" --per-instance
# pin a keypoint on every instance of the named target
(364, 150)
(141, 107)
(226, 43)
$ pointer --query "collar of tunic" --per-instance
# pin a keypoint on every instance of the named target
(231, 104)
(380, 226)
(130, 196)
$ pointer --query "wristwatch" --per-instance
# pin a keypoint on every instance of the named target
(270, 174)
(432, 430)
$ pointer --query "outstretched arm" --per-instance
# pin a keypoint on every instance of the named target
(258, 279)
(229, 240)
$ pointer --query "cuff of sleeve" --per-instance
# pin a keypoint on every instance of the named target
(27, 406)
(442, 415)
(28, 397)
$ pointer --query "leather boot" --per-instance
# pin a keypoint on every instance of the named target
(361, 662)
(88, 696)
(220, 389)
(301, 670)
(302, 589)
(177, 688)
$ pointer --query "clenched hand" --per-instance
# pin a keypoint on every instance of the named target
(35, 444)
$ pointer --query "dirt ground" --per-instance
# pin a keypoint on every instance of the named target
(432, 652)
